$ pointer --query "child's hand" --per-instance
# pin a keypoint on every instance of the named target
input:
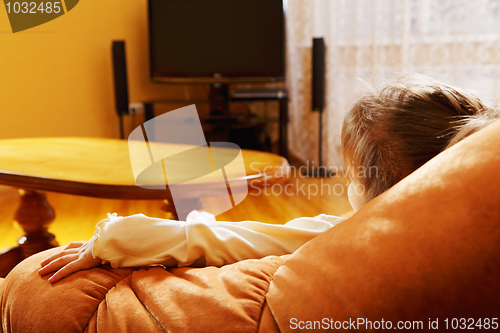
(75, 256)
(196, 214)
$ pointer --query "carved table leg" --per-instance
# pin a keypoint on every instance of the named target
(34, 215)
(179, 212)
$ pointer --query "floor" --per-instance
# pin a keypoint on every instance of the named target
(76, 216)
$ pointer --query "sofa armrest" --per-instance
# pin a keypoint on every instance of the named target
(426, 249)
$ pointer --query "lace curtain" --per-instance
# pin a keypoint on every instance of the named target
(367, 41)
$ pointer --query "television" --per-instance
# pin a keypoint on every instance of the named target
(216, 41)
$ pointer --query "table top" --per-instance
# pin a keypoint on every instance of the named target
(101, 167)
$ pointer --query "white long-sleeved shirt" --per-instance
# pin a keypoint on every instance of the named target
(138, 240)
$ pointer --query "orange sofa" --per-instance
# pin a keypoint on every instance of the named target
(425, 253)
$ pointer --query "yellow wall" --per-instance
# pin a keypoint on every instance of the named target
(56, 79)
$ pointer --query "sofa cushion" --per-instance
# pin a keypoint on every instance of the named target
(427, 248)
(151, 299)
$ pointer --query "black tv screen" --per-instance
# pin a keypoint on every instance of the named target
(216, 40)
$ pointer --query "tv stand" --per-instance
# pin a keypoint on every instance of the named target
(280, 95)
(219, 106)
(221, 96)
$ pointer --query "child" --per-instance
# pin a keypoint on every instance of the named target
(397, 128)
(393, 130)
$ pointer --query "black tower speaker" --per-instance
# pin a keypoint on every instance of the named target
(318, 74)
(120, 79)
(318, 102)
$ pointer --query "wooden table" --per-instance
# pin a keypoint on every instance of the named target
(99, 168)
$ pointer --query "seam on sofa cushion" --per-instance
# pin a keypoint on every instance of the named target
(129, 283)
(145, 307)
(104, 295)
(267, 290)
(268, 287)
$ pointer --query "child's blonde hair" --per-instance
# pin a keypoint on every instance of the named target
(399, 127)
(472, 124)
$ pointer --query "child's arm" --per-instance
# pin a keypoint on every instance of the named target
(78, 256)
(139, 240)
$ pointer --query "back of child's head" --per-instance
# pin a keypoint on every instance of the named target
(391, 131)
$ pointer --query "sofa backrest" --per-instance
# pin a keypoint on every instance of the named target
(428, 249)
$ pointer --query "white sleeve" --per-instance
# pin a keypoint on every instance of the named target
(138, 240)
